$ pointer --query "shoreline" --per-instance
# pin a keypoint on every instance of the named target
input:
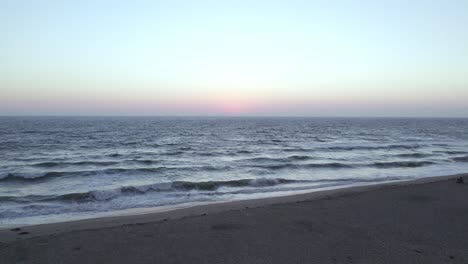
(167, 208)
(416, 221)
(138, 216)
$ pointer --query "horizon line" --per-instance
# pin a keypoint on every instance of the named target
(244, 116)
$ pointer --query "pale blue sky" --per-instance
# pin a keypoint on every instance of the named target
(313, 58)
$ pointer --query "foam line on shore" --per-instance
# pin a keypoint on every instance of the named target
(140, 216)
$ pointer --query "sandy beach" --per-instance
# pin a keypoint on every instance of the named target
(420, 221)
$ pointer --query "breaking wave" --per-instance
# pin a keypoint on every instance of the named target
(102, 195)
(181, 186)
(19, 176)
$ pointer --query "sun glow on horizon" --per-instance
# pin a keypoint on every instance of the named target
(234, 58)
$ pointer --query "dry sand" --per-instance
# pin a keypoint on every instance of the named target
(421, 221)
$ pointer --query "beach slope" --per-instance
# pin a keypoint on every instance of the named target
(423, 221)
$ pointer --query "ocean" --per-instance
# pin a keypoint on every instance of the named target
(56, 169)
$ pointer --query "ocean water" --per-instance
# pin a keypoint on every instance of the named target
(64, 168)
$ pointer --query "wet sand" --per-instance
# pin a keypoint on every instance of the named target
(421, 221)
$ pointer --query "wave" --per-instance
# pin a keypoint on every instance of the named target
(451, 152)
(296, 150)
(413, 155)
(206, 187)
(103, 195)
(144, 162)
(262, 163)
(100, 195)
(331, 165)
(28, 176)
(386, 147)
(440, 145)
(213, 185)
(207, 154)
(54, 174)
(351, 148)
(286, 159)
(299, 157)
(355, 179)
(50, 164)
(47, 164)
(173, 153)
(402, 164)
(461, 159)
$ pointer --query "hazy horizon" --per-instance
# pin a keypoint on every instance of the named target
(233, 116)
(234, 58)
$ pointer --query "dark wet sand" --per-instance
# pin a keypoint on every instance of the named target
(423, 221)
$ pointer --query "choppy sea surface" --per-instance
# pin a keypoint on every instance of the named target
(64, 168)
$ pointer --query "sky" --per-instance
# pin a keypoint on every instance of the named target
(234, 58)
